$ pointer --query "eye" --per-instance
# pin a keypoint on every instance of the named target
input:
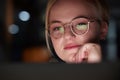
(59, 28)
(82, 26)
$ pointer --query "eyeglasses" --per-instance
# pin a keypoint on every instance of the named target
(78, 26)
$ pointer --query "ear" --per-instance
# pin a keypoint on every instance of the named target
(104, 30)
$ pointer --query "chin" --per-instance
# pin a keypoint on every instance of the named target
(69, 58)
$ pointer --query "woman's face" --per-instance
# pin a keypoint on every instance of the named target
(64, 11)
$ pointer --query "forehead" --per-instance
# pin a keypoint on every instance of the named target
(68, 9)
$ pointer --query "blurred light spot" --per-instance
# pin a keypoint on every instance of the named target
(13, 29)
(24, 16)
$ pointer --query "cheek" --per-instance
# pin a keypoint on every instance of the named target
(91, 36)
(57, 44)
(94, 31)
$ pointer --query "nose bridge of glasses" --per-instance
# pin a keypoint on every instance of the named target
(68, 29)
(67, 26)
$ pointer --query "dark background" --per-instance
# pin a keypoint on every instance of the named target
(31, 33)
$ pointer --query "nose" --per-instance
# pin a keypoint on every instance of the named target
(68, 32)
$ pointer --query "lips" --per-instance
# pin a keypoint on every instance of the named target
(71, 46)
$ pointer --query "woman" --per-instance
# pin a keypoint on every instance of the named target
(74, 29)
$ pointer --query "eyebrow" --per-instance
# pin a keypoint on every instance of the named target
(55, 21)
(80, 17)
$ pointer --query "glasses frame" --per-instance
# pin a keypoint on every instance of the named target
(90, 20)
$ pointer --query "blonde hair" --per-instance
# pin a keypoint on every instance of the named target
(49, 5)
(101, 5)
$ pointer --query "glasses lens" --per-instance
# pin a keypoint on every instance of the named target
(80, 26)
(56, 30)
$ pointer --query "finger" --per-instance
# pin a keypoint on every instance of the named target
(85, 56)
(82, 55)
(95, 54)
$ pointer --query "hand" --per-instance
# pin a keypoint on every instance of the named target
(90, 53)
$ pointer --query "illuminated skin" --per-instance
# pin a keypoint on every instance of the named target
(73, 48)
